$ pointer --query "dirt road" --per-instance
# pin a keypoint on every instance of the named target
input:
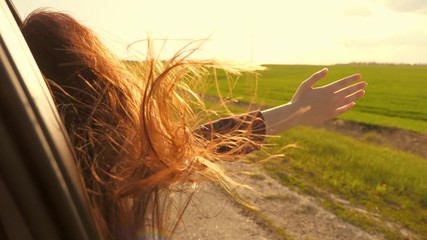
(213, 215)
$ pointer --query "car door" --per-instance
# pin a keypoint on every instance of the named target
(41, 193)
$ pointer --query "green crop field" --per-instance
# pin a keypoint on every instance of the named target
(396, 95)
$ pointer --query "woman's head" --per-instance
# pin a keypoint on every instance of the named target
(130, 123)
(69, 54)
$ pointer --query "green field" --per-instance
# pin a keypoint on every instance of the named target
(396, 95)
(390, 185)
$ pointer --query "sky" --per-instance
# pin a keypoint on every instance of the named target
(263, 31)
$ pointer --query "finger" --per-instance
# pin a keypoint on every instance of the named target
(342, 83)
(350, 98)
(342, 93)
(344, 108)
(309, 83)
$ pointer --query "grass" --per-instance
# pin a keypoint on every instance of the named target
(387, 183)
(383, 181)
(396, 94)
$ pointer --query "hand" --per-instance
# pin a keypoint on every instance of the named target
(319, 104)
(313, 105)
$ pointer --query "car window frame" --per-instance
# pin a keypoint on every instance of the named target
(37, 165)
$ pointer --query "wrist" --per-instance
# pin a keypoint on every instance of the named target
(283, 117)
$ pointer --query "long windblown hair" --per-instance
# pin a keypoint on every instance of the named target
(131, 124)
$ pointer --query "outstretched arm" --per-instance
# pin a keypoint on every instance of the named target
(309, 106)
(313, 105)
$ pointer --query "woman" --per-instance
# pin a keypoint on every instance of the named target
(135, 129)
